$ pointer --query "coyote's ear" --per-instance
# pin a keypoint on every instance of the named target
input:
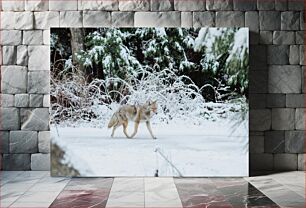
(154, 102)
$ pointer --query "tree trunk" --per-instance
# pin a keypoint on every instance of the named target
(77, 44)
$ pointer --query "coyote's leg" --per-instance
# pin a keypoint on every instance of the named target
(135, 129)
(114, 128)
(125, 125)
(150, 130)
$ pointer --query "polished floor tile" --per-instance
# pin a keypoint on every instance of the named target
(81, 199)
(126, 200)
(90, 184)
(161, 192)
(128, 185)
(278, 192)
(84, 192)
(221, 192)
(39, 190)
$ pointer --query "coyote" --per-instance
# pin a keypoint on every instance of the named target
(136, 113)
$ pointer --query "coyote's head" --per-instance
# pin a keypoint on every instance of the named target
(152, 106)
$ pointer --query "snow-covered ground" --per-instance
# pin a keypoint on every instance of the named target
(212, 149)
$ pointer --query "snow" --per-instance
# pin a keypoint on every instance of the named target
(211, 149)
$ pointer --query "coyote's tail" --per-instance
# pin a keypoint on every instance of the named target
(113, 121)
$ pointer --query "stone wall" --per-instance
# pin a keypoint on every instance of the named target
(276, 74)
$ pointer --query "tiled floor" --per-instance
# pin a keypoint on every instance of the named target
(38, 189)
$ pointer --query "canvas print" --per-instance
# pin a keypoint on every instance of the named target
(149, 102)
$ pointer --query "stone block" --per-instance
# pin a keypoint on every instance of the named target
(4, 141)
(46, 101)
(285, 79)
(283, 37)
(259, 56)
(157, 19)
(297, 5)
(256, 144)
(302, 55)
(36, 55)
(195, 5)
(17, 6)
(21, 100)
(274, 141)
(301, 162)
(10, 119)
(24, 20)
(260, 119)
(257, 101)
(9, 55)
(222, 5)
(36, 100)
(71, 19)
(294, 54)
(186, 19)
(252, 21)
(134, 5)
(23, 142)
(45, 20)
(37, 5)
(281, 5)
(22, 55)
(63, 5)
(265, 37)
(283, 118)
(46, 37)
(11, 37)
(98, 5)
(294, 141)
(258, 81)
(96, 19)
(32, 37)
(265, 5)
(229, 19)
(299, 37)
(35, 119)
(203, 19)
(162, 5)
(40, 162)
(245, 5)
(278, 54)
(16, 162)
(39, 82)
(13, 79)
(269, 20)
(300, 119)
(290, 21)
(6, 20)
(122, 19)
(285, 162)
(261, 161)
(276, 100)
(7, 100)
(295, 100)
(44, 141)
(302, 20)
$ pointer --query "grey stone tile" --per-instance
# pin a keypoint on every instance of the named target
(274, 141)
(285, 79)
(295, 100)
(261, 162)
(294, 141)
(260, 119)
(276, 100)
(285, 162)
(269, 20)
(283, 118)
